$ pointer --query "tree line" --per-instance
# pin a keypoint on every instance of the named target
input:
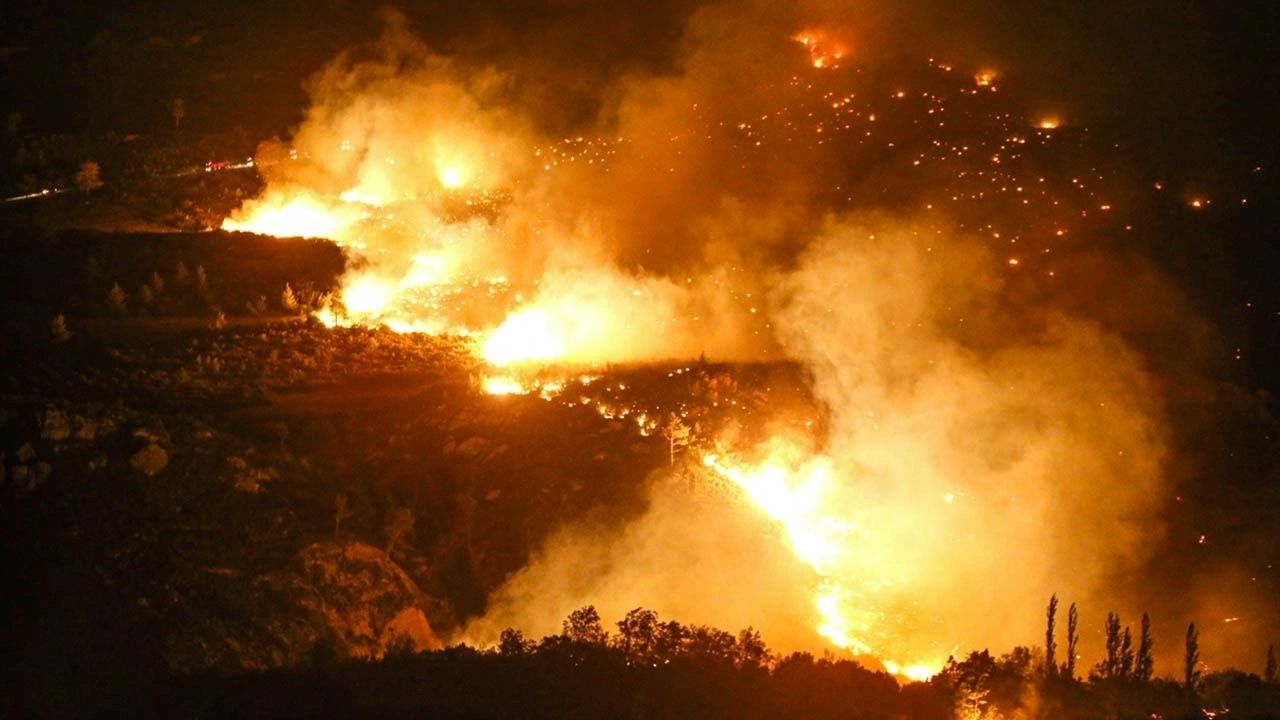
(649, 667)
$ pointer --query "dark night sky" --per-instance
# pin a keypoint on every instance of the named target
(1171, 62)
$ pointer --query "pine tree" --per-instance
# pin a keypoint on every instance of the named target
(677, 434)
(1110, 665)
(1146, 665)
(1073, 639)
(117, 300)
(1269, 674)
(1050, 642)
(1191, 663)
(288, 299)
(1126, 654)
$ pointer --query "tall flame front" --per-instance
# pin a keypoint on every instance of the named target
(806, 498)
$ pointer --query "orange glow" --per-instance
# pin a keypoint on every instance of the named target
(804, 495)
(826, 50)
(918, 673)
(459, 215)
(367, 296)
(298, 216)
(503, 385)
(526, 336)
(451, 177)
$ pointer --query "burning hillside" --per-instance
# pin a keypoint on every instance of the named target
(946, 264)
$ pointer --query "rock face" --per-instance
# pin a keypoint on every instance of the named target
(150, 460)
(347, 600)
(369, 605)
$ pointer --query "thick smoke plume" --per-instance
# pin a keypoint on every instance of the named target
(990, 440)
(983, 470)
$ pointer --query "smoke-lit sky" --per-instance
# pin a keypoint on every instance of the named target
(1045, 387)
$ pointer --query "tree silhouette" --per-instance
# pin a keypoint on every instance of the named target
(677, 434)
(637, 636)
(751, 650)
(1269, 674)
(1145, 666)
(1191, 662)
(1050, 641)
(1073, 639)
(1109, 667)
(1126, 654)
(708, 643)
(583, 626)
(513, 642)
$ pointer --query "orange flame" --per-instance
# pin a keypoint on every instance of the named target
(826, 50)
(803, 495)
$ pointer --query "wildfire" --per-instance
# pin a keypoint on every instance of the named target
(919, 672)
(451, 177)
(367, 295)
(529, 335)
(295, 215)
(438, 199)
(504, 385)
(803, 495)
(825, 49)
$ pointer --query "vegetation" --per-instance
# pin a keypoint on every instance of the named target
(654, 668)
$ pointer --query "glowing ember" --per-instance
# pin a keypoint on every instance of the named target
(1048, 123)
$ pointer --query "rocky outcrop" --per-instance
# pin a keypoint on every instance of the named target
(369, 605)
(150, 460)
(347, 600)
